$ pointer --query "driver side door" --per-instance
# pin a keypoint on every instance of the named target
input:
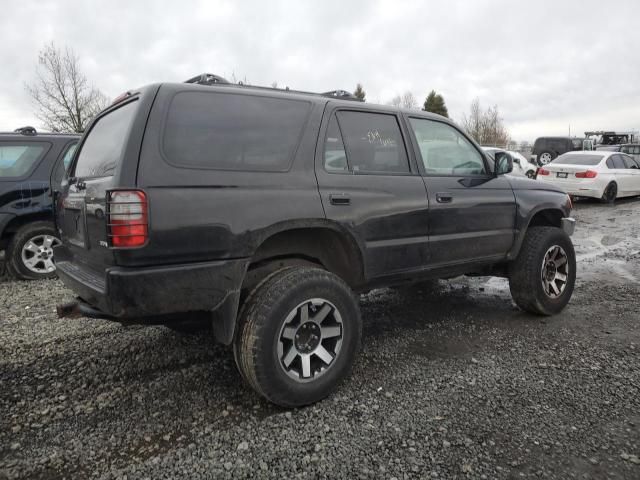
(472, 212)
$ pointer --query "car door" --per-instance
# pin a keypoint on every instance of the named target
(368, 186)
(60, 169)
(632, 174)
(472, 212)
(622, 175)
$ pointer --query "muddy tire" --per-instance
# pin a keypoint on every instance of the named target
(298, 334)
(543, 276)
(29, 255)
(610, 193)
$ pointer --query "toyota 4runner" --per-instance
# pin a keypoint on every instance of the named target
(265, 212)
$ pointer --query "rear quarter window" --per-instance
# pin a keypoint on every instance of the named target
(18, 159)
(228, 131)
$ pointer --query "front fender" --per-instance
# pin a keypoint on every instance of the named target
(554, 205)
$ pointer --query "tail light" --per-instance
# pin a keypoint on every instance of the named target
(542, 171)
(587, 174)
(127, 218)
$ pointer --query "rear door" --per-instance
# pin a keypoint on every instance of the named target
(368, 185)
(96, 169)
(623, 175)
(632, 174)
(472, 212)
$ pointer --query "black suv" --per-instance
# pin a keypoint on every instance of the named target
(265, 212)
(32, 165)
(546, 149)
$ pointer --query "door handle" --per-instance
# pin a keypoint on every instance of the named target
(340, 199)
(444, 197)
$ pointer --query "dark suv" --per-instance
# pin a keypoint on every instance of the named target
(32, 165)
(264, 212)
(546, 149)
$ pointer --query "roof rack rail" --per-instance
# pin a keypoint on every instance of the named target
(341, 94)
(207, 79)
(27, 130)
(211, 79)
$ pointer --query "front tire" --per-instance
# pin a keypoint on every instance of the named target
(30, 252)
(298, 334)
(543, 276)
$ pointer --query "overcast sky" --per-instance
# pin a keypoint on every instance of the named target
(546, 64)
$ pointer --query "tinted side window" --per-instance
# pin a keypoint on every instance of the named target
(374, 142)
(610, 163)
(617, 162)
(104, 146)
(227, 131)
(335, 157)
(628, 161)
(444, 150)
(17, 159)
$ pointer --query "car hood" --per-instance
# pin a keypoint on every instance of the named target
(524, 183)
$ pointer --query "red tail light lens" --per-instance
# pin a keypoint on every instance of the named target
(542, 171)
(587, 174)
(127, 219)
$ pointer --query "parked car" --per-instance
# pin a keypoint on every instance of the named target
(265, 212)
(632, 149)
(545, 149)
(32, 165)
(521, 166)
(601, 174)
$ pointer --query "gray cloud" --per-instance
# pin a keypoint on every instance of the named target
(547, 65)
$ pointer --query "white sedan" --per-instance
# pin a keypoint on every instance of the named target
(523, 165)
(596, 174)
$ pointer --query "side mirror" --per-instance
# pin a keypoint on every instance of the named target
(504, 163)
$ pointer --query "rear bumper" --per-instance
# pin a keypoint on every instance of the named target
(128, 293)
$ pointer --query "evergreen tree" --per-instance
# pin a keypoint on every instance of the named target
(435, 104)
(360, 93)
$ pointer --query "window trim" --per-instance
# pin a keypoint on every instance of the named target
(334, 112)
(422, 169)
(85, 135)
(324, 147)
(293, 154)
(36, 164)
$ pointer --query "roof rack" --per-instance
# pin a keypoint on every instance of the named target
(27, 130)
(207, 79)
(211, 79)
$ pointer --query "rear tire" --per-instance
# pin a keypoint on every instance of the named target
(543, 276)
(30, 255)
(298, 334)
(610, 193)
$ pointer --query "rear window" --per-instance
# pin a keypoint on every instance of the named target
(573, 159)
(104, 146)
(227, 131)
(16, 160)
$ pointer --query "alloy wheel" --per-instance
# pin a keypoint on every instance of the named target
(310, 339)
(37, 254)
(555, 271)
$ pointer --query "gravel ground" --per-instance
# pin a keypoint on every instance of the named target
(451, 383)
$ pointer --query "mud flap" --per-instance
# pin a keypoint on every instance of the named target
(223, 318)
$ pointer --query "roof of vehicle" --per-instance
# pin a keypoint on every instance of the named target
(561, 137)
(604, 153)
(30, 132)
(312, 97)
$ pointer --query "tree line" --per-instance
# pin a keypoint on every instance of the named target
(65, 101)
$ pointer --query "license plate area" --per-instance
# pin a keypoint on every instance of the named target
(74, 227)
(561, 175)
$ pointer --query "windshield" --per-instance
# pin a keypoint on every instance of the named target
(573, 159)
(104, 146)
(16, 160)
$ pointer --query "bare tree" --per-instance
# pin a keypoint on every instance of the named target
(406, 100)
(485, 126)
(63, 98)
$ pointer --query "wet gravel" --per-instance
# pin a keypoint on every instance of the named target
(453, 382)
